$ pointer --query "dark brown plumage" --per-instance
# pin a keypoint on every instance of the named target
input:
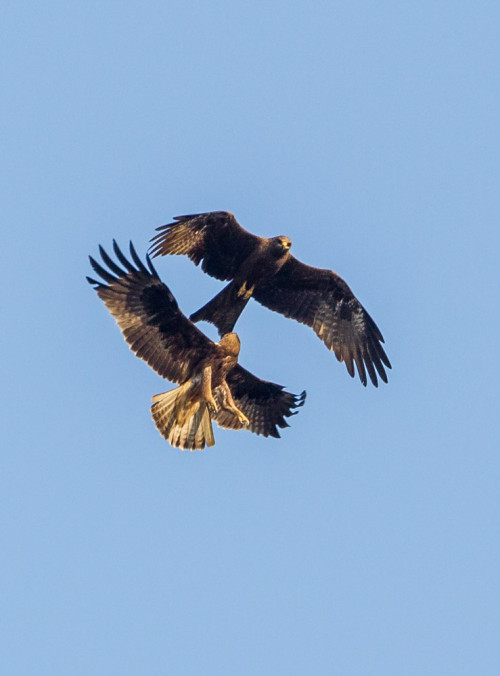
(213, 386)
(265, 269)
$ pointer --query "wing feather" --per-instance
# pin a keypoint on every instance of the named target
(322, 300)
(215, 238)
(149, 317)
(265, 404)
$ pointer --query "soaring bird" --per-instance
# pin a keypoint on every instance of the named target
(212, 385)
(264, 268)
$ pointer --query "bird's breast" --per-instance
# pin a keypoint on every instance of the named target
(258, 269)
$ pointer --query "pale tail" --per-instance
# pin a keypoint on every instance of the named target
(169, 411)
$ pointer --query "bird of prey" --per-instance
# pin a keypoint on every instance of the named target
(263, 268)
(212, 385)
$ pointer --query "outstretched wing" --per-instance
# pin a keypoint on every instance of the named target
(216, 238)
(321, 299)
(149, 317)
(265, 404)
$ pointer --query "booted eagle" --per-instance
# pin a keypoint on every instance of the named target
(212, 385)
(265, 269)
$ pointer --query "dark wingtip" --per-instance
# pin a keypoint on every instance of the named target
(299, 400)
(94, 282)
(155, 246)
(135, 257)
(160, 228)
(156, 242)
(151, 266)
(117, 249)
(107, 276)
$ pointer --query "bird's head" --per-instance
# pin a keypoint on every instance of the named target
(281, 245)
(230, 343)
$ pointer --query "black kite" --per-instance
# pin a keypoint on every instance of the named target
(265, 269)
(213, 386)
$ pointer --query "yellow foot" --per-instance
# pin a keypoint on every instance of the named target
(243, 419)
(212, 406)
(245, 291)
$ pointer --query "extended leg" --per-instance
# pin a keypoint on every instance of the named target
(245, 291)
(228, 402)
(206, 389)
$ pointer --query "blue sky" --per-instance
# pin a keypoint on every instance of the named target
(366, 540)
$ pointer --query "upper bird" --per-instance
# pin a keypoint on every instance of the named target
(265, 269)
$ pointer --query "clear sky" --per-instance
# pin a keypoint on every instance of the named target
(366, 540)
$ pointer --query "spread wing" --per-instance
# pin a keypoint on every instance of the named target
(321, 299)
(215, 238)
(265, 404)
(149, 317)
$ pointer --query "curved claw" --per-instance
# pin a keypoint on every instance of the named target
(212, 406)
(243, 419)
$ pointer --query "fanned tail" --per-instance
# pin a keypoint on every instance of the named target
(183, 423)
(225, 308)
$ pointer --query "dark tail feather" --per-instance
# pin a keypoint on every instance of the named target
(223, 310)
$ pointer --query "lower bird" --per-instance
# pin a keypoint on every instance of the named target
(212, 385)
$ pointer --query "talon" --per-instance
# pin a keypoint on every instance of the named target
(212, 406)
(243, 420)
(245, 291)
